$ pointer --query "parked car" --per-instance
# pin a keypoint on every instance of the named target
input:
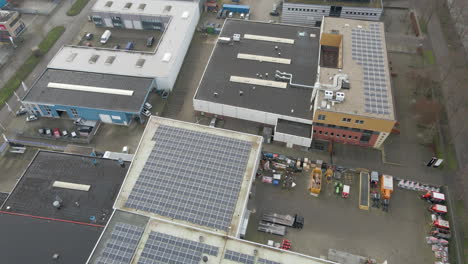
(116, 46)
(73, 134)
(21, 111)
(48, 132)
(149, 41)
(274, 13)
(89, 36)
(148, 106)
(105, 36)
(41, 131)
(247, 17)
(129, 45)
(213, 122)
(242, 16)
(64, 133)
(164, 95)
(224, 15)
(230, 14)
(30, 118)
(146, 112)
(56, 132)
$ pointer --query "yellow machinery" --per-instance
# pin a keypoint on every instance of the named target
(315, 184)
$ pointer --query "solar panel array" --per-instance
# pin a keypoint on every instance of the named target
(164, 248)
(239, 257)
(192, 176)
(121, 245)
(367, 51)
(266, 261)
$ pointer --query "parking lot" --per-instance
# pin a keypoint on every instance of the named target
(119, 37)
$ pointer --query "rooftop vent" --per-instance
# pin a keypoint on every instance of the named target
(140, 63)
(110, 60)
(185, 14)
(141, 7)
(236, 37)
(340, 96)
(167, 9)
(167, 57)
(313, 35)
(109, 3)
(93, 59)
(335, 31)
(359, 26)
(127, 6)
(72, 57)
(328, 95)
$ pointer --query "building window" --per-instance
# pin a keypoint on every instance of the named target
(346, 119)
(326, 133)
(332, 134)
(289, 9)
(355, 137)
(350, 137)
(344, 136)
(321, 117)
(337, 135)
(320, 132)
(323, 11)
(315, 131)
(359, 121)
(74, 112)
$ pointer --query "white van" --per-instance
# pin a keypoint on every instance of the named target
(105, 36)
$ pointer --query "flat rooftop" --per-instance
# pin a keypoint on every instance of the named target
(364, 54)
(35, 193)
(6, 15)
(351, 3)
(160, 63)
(101, 91)
(143, 240)
(191, 174)
(33, 240)
(294, 128)
(251, 57)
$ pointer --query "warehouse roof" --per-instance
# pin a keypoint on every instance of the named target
(184, 17)
(364, 60)
(350, 3)
(32, 240)
(35, 191)
(90, 90)
(242, 74)
(191, 174)
(294, 128)
(155, 241)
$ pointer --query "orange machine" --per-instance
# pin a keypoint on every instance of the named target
(386, 186)
(315, 184)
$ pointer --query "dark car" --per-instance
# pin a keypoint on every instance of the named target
(129, 45)
(89, 36)
(274, 13)
(149, 41)
(117, 46)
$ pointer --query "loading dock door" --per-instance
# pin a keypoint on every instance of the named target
(105, 118)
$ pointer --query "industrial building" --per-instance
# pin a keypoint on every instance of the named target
(184, 200)
(311, 12)
(109, 98)
(239, 80)
(176, 19)
(59, 208)
(302, 80)
(362, 111)
(11, 25)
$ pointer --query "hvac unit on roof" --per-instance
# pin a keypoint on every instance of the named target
(185, 15)
(236, 37)
(167, 57)
(340, 96)
(328, 95)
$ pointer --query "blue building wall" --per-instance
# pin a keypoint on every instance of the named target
(87, 113)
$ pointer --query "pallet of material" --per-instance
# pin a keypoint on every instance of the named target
(286, 220)
(271, 228)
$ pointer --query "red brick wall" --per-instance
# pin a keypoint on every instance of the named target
(351, 137)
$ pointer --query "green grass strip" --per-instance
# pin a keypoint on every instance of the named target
(77, 7)
(28, 66)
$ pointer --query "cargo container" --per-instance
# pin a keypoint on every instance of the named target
(237, 8)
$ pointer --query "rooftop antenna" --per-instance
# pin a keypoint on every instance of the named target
(276, 47)
(292, 110)
(279, 54)
(57, 204)
(215, 94)
(241, 93)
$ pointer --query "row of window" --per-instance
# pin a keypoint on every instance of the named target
(345, 119)
(344, 128)
(361, 13)
(333, 134)
(304, 9)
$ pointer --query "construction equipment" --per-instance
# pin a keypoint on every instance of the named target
(364, 190)
(434, 197)
(315, 184)
(329, 174)
(386, 187)
(271, 228)
(438, 209)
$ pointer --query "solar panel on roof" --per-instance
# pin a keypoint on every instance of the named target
(164, 248)
(120, 247)
(266, 261)
(192, 176)
(239, 257)
(368, 52)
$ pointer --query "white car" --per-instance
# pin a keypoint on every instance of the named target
(230, 14)
(242, 16)
(30, 118)
(213, 122)
(148, 106)
(145, 112)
